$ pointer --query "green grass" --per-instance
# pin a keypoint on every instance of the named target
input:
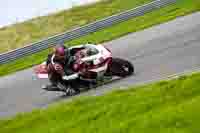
(163, 107)
(21, 34)
(182, 7)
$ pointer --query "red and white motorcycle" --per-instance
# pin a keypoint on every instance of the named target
(93, 64)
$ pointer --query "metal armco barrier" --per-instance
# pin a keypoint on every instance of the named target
(82, 31)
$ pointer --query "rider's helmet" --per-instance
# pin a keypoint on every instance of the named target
(60, 51)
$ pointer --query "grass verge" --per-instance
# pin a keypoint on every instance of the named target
(182, 7)
(167, 107)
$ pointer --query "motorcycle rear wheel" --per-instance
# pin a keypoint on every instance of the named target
(122, 68)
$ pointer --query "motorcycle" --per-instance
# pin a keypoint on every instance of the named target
(88, 72)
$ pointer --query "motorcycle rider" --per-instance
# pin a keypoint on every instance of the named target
(59, 65)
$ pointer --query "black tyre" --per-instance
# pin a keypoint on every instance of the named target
(121, 67)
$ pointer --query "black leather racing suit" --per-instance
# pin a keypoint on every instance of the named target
(66, 63)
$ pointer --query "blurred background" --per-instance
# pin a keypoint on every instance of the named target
(18, 11)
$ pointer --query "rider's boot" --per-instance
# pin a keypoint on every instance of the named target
(61, 86)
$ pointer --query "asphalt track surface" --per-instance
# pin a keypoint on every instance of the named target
(156, 52)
